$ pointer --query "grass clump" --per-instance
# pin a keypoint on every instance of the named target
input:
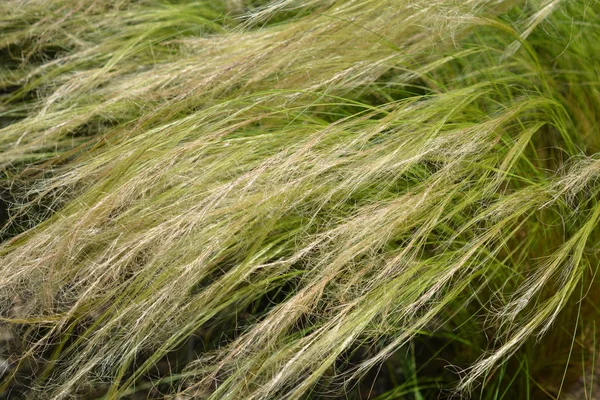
(299, 199)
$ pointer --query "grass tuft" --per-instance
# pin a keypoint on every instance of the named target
(243, 199)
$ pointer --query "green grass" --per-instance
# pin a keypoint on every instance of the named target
(382, 199)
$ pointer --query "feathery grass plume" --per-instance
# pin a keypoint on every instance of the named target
(299, 199)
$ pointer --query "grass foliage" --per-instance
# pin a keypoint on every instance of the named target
(237, 199)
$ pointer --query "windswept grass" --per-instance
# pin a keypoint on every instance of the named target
(238, 199)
